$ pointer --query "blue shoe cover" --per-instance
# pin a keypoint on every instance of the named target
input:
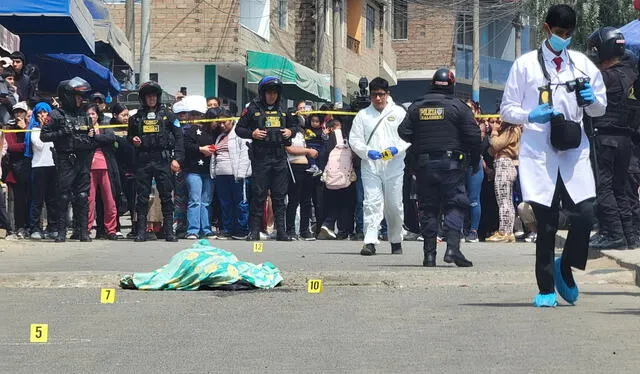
(569, 294)
(545, 300)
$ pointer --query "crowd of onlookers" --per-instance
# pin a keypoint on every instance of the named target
(325, 193)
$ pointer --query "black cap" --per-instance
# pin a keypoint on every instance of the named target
(97, 95)
(17, 55)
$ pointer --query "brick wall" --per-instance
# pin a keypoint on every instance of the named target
(189, 30)
(429, 41)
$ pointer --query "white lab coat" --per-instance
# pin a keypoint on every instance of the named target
(382, 180)
(539, 161)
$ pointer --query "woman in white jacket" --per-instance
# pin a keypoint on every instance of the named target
(231, 169)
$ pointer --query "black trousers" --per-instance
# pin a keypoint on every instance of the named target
(21, 194)
(44, 191)
(339, 207)
(4, 219)
(146, 171)
(73, 186)
(409, 188)
(576, 248)
(299, 193)
(270, 173)
(632, 195)
(613, 205)
(317, 197)
(441, 185)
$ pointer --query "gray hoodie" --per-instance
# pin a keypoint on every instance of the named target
(7, 101)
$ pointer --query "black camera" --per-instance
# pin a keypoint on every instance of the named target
(361, 98)
(581, 84)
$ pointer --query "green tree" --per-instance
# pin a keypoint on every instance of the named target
(592, 14)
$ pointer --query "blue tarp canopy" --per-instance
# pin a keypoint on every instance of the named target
(50, 26)
(58, 67)
(631, 32)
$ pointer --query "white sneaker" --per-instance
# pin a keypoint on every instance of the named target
(326, 234)
(531, 238)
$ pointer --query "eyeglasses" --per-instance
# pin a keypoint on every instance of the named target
(378, 94)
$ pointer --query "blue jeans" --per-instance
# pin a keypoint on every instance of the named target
(234, 204)
(359, 202)
(200, 194)
(474, 186)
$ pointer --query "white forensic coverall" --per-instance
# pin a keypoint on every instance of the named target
(382, 180)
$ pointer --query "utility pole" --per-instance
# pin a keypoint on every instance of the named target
(337, 51)
(131, 26)
(517, 25)
(475, 85)
(145, 41)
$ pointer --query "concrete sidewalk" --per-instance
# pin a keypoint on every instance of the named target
(629, 259)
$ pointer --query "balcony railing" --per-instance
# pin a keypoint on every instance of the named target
(353, 44)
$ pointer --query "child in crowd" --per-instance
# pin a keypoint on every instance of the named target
(315, 137)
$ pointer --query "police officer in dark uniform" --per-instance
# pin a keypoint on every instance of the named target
(444, 138)
(72, 135)
(266, 122)
(606, 47)
(156, 134)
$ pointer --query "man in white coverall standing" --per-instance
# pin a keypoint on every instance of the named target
(374, 138)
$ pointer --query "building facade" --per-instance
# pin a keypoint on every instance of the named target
(202, 45)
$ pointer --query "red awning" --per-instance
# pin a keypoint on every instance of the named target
(8, 41)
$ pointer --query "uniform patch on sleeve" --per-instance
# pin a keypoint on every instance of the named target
(176, 122)
(431, 114)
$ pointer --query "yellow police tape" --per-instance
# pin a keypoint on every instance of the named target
(213, 120)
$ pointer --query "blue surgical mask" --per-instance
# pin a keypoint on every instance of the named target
(558, 44)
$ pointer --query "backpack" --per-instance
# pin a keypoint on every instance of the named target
(338, 173)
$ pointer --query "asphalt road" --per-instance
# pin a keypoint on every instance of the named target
(379, 314)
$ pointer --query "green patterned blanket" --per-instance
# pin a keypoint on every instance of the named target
(204, 266)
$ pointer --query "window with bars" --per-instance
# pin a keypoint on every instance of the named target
(400, 19)
(371, 26)
(282, 13)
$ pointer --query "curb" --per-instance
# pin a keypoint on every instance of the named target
(628, 259)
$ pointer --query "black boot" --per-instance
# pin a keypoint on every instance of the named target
(396, 248)
(283, 237)
(368, 250)
(62, 220)
(453, 253)
(429, 249)
(82, 209)
(167, 226)
(134, 230)
(141, 230)
(610, 242)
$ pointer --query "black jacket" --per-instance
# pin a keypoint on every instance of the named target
(438, 122)
(618, 79)
(260, 116)
(69, 132)
(194, 138)
(159, 131)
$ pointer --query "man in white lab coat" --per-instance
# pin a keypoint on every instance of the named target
(555, 165)
(374, 138)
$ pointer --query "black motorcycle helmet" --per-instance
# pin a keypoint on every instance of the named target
(147, 88)
(443, 80)
(269, 83)
(67, 91)
(604, 44)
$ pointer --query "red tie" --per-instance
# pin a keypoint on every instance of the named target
(558, 61)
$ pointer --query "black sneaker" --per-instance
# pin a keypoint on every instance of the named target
(283, 237)
(396, 248)
(253, 237)
(113, 236)
(225, 236)
(610, 243)
(357, 237)
(368, 250)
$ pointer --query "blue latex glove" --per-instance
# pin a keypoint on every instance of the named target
(374, 155)
(393, 150)
(540, 114)
(588, 95)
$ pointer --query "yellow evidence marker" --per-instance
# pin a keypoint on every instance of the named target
(39, 333)
(108, 295)
(314, 286)
(258, 247)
